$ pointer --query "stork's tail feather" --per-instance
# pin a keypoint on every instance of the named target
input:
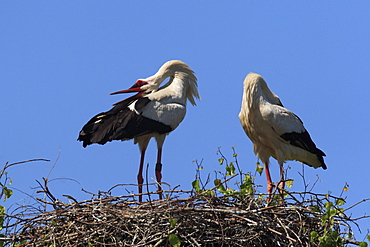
(88, 133)
(320, 155)
(316, 162)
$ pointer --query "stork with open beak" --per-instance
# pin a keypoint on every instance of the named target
(152, 112)
(274, 130)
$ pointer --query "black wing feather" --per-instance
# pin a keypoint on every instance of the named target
(303, 140)
(140, 103)
(119, 123)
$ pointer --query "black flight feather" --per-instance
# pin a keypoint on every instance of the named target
(120, 123)
(304, 141)
(141, 102)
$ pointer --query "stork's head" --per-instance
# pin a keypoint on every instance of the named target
(180, 70)
(140, 86)
(151, 83)
(255, 84)
(173, 68)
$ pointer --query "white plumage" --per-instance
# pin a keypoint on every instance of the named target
(153, 112)
(274, 130)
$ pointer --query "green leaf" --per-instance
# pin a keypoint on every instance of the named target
(314, 235)
(334, 235)
(2, 215)
(248, 185)
(363, 244)
(332, 212)
(246, 189)
(339, 202)
(7, 193)
(368, 238)
(173, 222)
(196, 185)
(328, 205)
(230, 191)
(289, 183)
(221, 161)
(235, 154)
(259, 168)
(247, 179)
(209, 192)
(219, 185)
(230, 169)
(217, 182)
(174, 240)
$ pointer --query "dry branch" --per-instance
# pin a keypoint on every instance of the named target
(199, 221)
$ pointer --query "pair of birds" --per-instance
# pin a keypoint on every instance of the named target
(155, 111)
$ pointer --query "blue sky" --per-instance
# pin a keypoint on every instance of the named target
(60, 60)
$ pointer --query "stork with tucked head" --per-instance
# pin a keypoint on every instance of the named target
(274, 130)
(153, 112)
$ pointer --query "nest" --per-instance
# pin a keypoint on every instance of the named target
(198, 219)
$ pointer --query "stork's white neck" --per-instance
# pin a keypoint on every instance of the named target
(174, 90)
(182, 83)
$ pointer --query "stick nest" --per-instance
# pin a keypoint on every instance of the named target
(197, 220)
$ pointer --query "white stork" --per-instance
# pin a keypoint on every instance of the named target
(153, 112)
(274, 130)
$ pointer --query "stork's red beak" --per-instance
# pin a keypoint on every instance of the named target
(135, 88)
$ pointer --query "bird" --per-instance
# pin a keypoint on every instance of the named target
(274, 130)
(153, 112)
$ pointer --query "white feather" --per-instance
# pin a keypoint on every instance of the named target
(264, 120)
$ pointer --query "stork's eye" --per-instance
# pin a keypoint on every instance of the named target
(140, 83)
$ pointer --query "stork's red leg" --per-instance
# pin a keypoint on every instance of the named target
(140, 179)
(269, 182)
(158, 172)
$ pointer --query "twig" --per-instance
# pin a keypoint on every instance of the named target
(6, 166)
(363, 200)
